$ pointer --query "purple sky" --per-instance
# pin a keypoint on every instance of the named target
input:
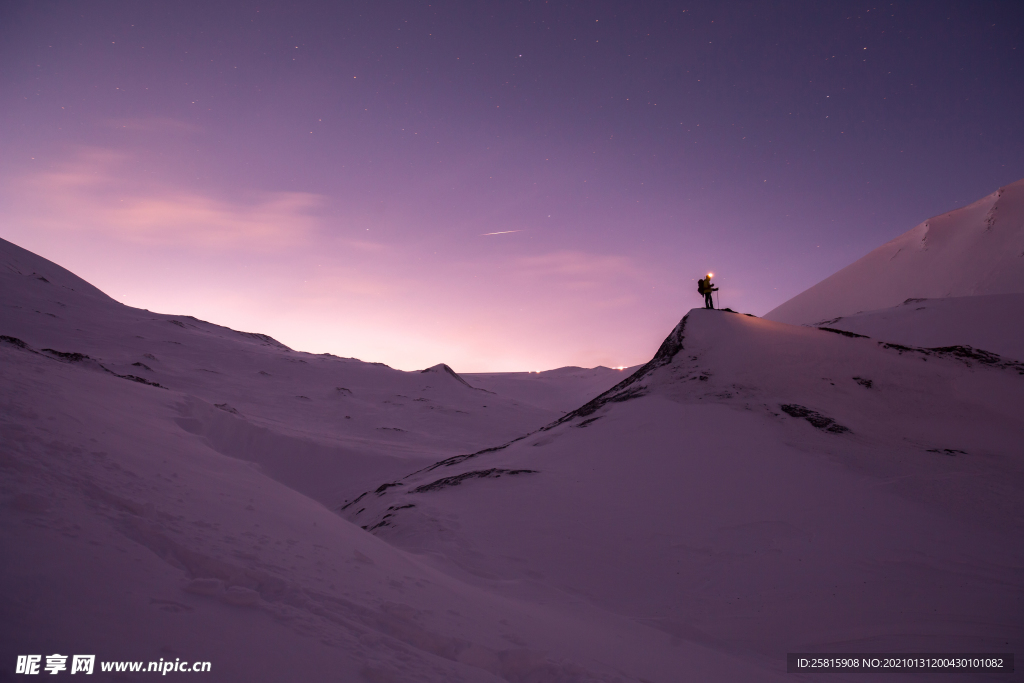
(327, 172)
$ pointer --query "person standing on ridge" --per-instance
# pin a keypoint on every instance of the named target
(705, 287)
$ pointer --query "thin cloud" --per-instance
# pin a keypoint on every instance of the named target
(596, 275)
(99, 191)
(577, 264)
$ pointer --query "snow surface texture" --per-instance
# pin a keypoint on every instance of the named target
(994, 323)
(176, 489)
(976, 250)
(170, 490)
(325, 425)
(757, 488)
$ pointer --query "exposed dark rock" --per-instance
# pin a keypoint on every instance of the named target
(947, 451)
(457, 479)
(672, 345)
(265, 338)
(384, 487)
(898, 347)
(843, 332)
(964, 354)
(456, 459)
(13, 340)
(133, 378)
(71, 357)
(866, 383)
(817, 419)
(353, 502)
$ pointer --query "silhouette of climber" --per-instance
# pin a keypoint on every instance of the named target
(706, 287)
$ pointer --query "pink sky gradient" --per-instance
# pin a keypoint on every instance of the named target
(330, 176)
(271, 264)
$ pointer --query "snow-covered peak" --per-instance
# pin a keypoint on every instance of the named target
(751, 469)
(18, 261)
(974, 250)
(443, 369)
(756, 488)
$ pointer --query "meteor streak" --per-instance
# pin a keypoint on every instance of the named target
(503, 232)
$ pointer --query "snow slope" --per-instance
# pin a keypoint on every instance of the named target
(175, 489)
(336, 419)
(169, 491)
(975, 250)
(991, 322)
(126, 537)
(757, 488)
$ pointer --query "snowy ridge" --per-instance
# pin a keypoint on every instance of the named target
(194, 518)
(444, 369)
(727, 466)
(760, 375)
(250, 395)
(987, 322)
(21, 262)
(975, 250)
(186, 490)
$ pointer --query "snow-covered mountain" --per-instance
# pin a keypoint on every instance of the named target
(975, 250)
(992, 322)
(173, 489)
(756, 488)
(170, 492)
(338, 419)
